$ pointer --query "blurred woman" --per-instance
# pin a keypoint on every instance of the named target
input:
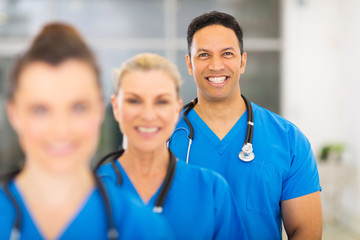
(198, 204)
(55, 106)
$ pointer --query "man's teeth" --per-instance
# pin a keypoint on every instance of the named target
(147, 129)
(217, 79)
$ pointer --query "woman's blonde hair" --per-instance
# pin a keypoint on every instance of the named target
(147, 62)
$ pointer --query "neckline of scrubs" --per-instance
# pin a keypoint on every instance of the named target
(199, 125)
(127, 181)
(27, 214)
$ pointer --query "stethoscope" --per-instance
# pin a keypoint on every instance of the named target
(159, 203)
(246, 153)
(112, 233)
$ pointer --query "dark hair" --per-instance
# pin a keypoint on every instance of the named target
(212, 18)
(55, 43)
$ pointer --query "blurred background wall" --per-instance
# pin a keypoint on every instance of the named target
(303, 58)
(320, 93)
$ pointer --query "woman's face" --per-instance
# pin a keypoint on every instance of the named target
(147, 109)
(57, 113)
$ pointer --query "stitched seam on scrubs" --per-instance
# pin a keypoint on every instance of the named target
(303, 193)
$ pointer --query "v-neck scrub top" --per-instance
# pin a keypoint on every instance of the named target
(284, 166)
(199, 204)
(131, 219)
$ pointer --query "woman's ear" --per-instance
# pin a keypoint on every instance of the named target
(13, 116)
(115, 106)
(180, 104)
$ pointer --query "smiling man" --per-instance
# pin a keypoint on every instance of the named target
(276, 182)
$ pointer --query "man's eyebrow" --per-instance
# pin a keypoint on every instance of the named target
(222, 50)
(201, 50)
(228, 48)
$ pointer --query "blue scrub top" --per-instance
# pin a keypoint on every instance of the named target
(132, 220)
(284, 166)
(199, 204)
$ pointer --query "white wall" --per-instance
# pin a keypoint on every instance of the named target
(311, 93)
(350, 68)
(321, 83)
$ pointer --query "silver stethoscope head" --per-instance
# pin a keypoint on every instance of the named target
(15, 234)
(157, 209)
(247, 154)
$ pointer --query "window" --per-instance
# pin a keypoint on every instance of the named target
(117, 30)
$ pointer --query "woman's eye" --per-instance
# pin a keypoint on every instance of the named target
(80, 108)
(162, 101)
(132, 101)
(39, 110)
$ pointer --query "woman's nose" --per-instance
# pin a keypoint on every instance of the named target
(148, 112)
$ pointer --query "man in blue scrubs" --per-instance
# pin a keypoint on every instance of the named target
(282, 182)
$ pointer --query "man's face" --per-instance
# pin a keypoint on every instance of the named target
(216, 62)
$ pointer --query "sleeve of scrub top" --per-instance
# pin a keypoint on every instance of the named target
(302, 178)
(228, 223)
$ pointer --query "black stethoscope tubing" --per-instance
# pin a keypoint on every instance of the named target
(112, 233)
(160, 200)
(246, 154)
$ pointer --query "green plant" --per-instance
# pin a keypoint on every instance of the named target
(336, 149)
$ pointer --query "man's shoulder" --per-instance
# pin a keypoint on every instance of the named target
(267, 117)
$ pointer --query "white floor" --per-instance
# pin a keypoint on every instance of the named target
(332, 232)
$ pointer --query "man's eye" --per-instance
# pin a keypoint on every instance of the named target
(203, 55)
(228, 54)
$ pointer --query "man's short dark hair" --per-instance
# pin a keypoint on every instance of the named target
(212, 18)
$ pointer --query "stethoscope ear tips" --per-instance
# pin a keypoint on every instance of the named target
(247, 155)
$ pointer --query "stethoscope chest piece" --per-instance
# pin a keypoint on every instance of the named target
(247, 155)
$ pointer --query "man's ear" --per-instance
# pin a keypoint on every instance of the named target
(243, 62)
(188, 63)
